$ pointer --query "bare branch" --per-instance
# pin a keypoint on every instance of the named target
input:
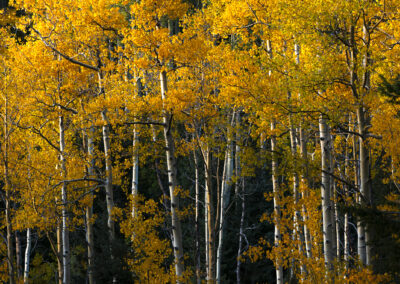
(70, 59)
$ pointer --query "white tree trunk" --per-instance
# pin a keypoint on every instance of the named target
(241, 230)
(304, 192)
(64, 201)
(18, 254)
(27, 255)
(325, 192)
(332, 194)
(172, 171)
(109, 175)
(365, 190)
(209, 213)
(337, 223)
(346, 243)
(7, 189)
(89, 212)
(297, 234)
(59, 251)
(277, 210)
(225, 197)
(240, 194)
(197, 217)
(135, 167)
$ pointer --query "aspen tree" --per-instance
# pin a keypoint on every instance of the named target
(64, 199)
(8, 186)
(197, 217)
(225, 195)
(27, 255)
(325, 191)
(172, 172)
(241, 194)
(135, 167)
(277, 209)
(89, 147)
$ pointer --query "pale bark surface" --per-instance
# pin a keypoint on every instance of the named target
(27, 255)
(7, 189)
(325, 192)
(89, 211)
(64, 213)
(277, 209)
(209, 213)
(135, 166)
(304, 191)
(197, 218)
(172, 182)
(225, 197)
(59, 253)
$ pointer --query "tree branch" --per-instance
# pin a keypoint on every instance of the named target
(70, 59)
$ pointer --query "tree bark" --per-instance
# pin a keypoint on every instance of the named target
(277, 209)
(89, 211)
(27, 255)
(332, 195)
(209, 213)
(18, 254)
(135, 167)
(197, 218)
(365, 189)
(64, 212)
(241, 230)
(59, 252)
(304, 191)
(225, 196)
(172, 182)
(325, 192)
(7, 189)
(109, 185)
(297, 233)
(346, 232)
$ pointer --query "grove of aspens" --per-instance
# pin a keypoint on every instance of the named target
(199, 141)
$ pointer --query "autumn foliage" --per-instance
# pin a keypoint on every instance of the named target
(190, 141)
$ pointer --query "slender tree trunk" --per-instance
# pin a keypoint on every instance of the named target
(332, 194)
(206, 226)
(325, 192)
(241, 194)
(109, 185)
(365, 189)
(135, 146)
(197, 218)
(64, 201)
(363, 121)
(346, 233)
(7, 189)
(10, 247)
(241, 230)
(209, 213)
(225, 196)
(27, 255)
(304, 192)
(346, 241)
(337, 223)
(109, 173)
(172, 182)
(360, 227)
(18, 254)
(277, 209)
(297, 233)
(135, 167)
(89, 212)
(59, 252)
